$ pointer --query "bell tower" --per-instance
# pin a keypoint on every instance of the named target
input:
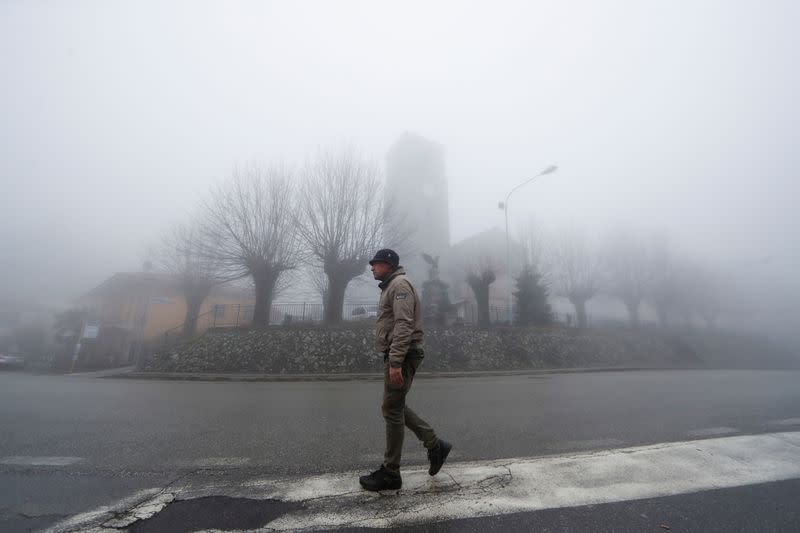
(417, 186)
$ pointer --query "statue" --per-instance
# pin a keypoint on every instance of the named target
(433, 263)
(437, 309)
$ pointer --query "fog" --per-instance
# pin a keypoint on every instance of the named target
(677, 117)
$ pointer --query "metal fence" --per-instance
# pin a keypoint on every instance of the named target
(498, 315)
(237, 315)
(234, 315)
(226, 316)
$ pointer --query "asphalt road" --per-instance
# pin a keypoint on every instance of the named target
(70, 443)
(754, 508)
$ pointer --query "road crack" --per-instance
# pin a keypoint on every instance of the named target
(147, 506)
(32, 516)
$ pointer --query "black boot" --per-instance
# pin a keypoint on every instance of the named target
(381, 479)
(438, 455)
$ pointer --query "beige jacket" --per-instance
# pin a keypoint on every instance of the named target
(399, 327)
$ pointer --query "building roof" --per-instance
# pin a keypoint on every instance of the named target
(490, 243)
(413, 142)
(122, 282)
(125, 281)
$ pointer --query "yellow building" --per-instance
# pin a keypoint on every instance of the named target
(135, 309)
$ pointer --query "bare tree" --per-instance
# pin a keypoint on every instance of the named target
(710, 293)
(184, 255)
(664, 287)
(480, 278)
(249, 226)
(697, 292)
(574, 268)
(342, 220)
(627, 269)
(680, 287)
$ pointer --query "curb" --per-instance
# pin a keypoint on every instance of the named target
(179, 376)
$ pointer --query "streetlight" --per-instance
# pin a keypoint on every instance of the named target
(504, 207)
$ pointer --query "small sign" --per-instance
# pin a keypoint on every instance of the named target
(91, 332)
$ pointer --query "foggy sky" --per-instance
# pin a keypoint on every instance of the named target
(118, 116)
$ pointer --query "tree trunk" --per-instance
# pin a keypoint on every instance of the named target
(482, 299)
(480, 283)
(265, 289)
(339, 274)
(194, 300)
(633, 311)
(580, 310)
(334, 299)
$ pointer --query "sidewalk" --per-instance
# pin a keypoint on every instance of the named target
(111, 372)
(130, 373)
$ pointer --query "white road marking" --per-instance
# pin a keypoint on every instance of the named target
(786, 422)
(91, 520)
(712, 432)
(212, 462)
(143, 511)
(487, 488)
(524, 485)
(25, 460)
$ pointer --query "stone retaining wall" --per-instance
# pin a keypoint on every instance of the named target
(298, 350)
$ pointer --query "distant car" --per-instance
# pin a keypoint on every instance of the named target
(364, 312)
(11, 361)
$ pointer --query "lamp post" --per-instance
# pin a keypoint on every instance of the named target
(504, 207)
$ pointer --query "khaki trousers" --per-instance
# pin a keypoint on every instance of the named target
(399, 416)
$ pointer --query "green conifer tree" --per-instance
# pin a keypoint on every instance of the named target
(532, 307)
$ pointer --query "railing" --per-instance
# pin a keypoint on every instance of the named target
(503, 316)
(498, 315)
(237, 315)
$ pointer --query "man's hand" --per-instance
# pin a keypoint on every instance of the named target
(396, 377)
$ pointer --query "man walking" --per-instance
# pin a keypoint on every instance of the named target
(399, 337)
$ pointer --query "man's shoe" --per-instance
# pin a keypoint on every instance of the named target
(438, 455)
(381, 479)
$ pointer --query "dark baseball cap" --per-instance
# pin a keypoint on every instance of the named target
(386, 256)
